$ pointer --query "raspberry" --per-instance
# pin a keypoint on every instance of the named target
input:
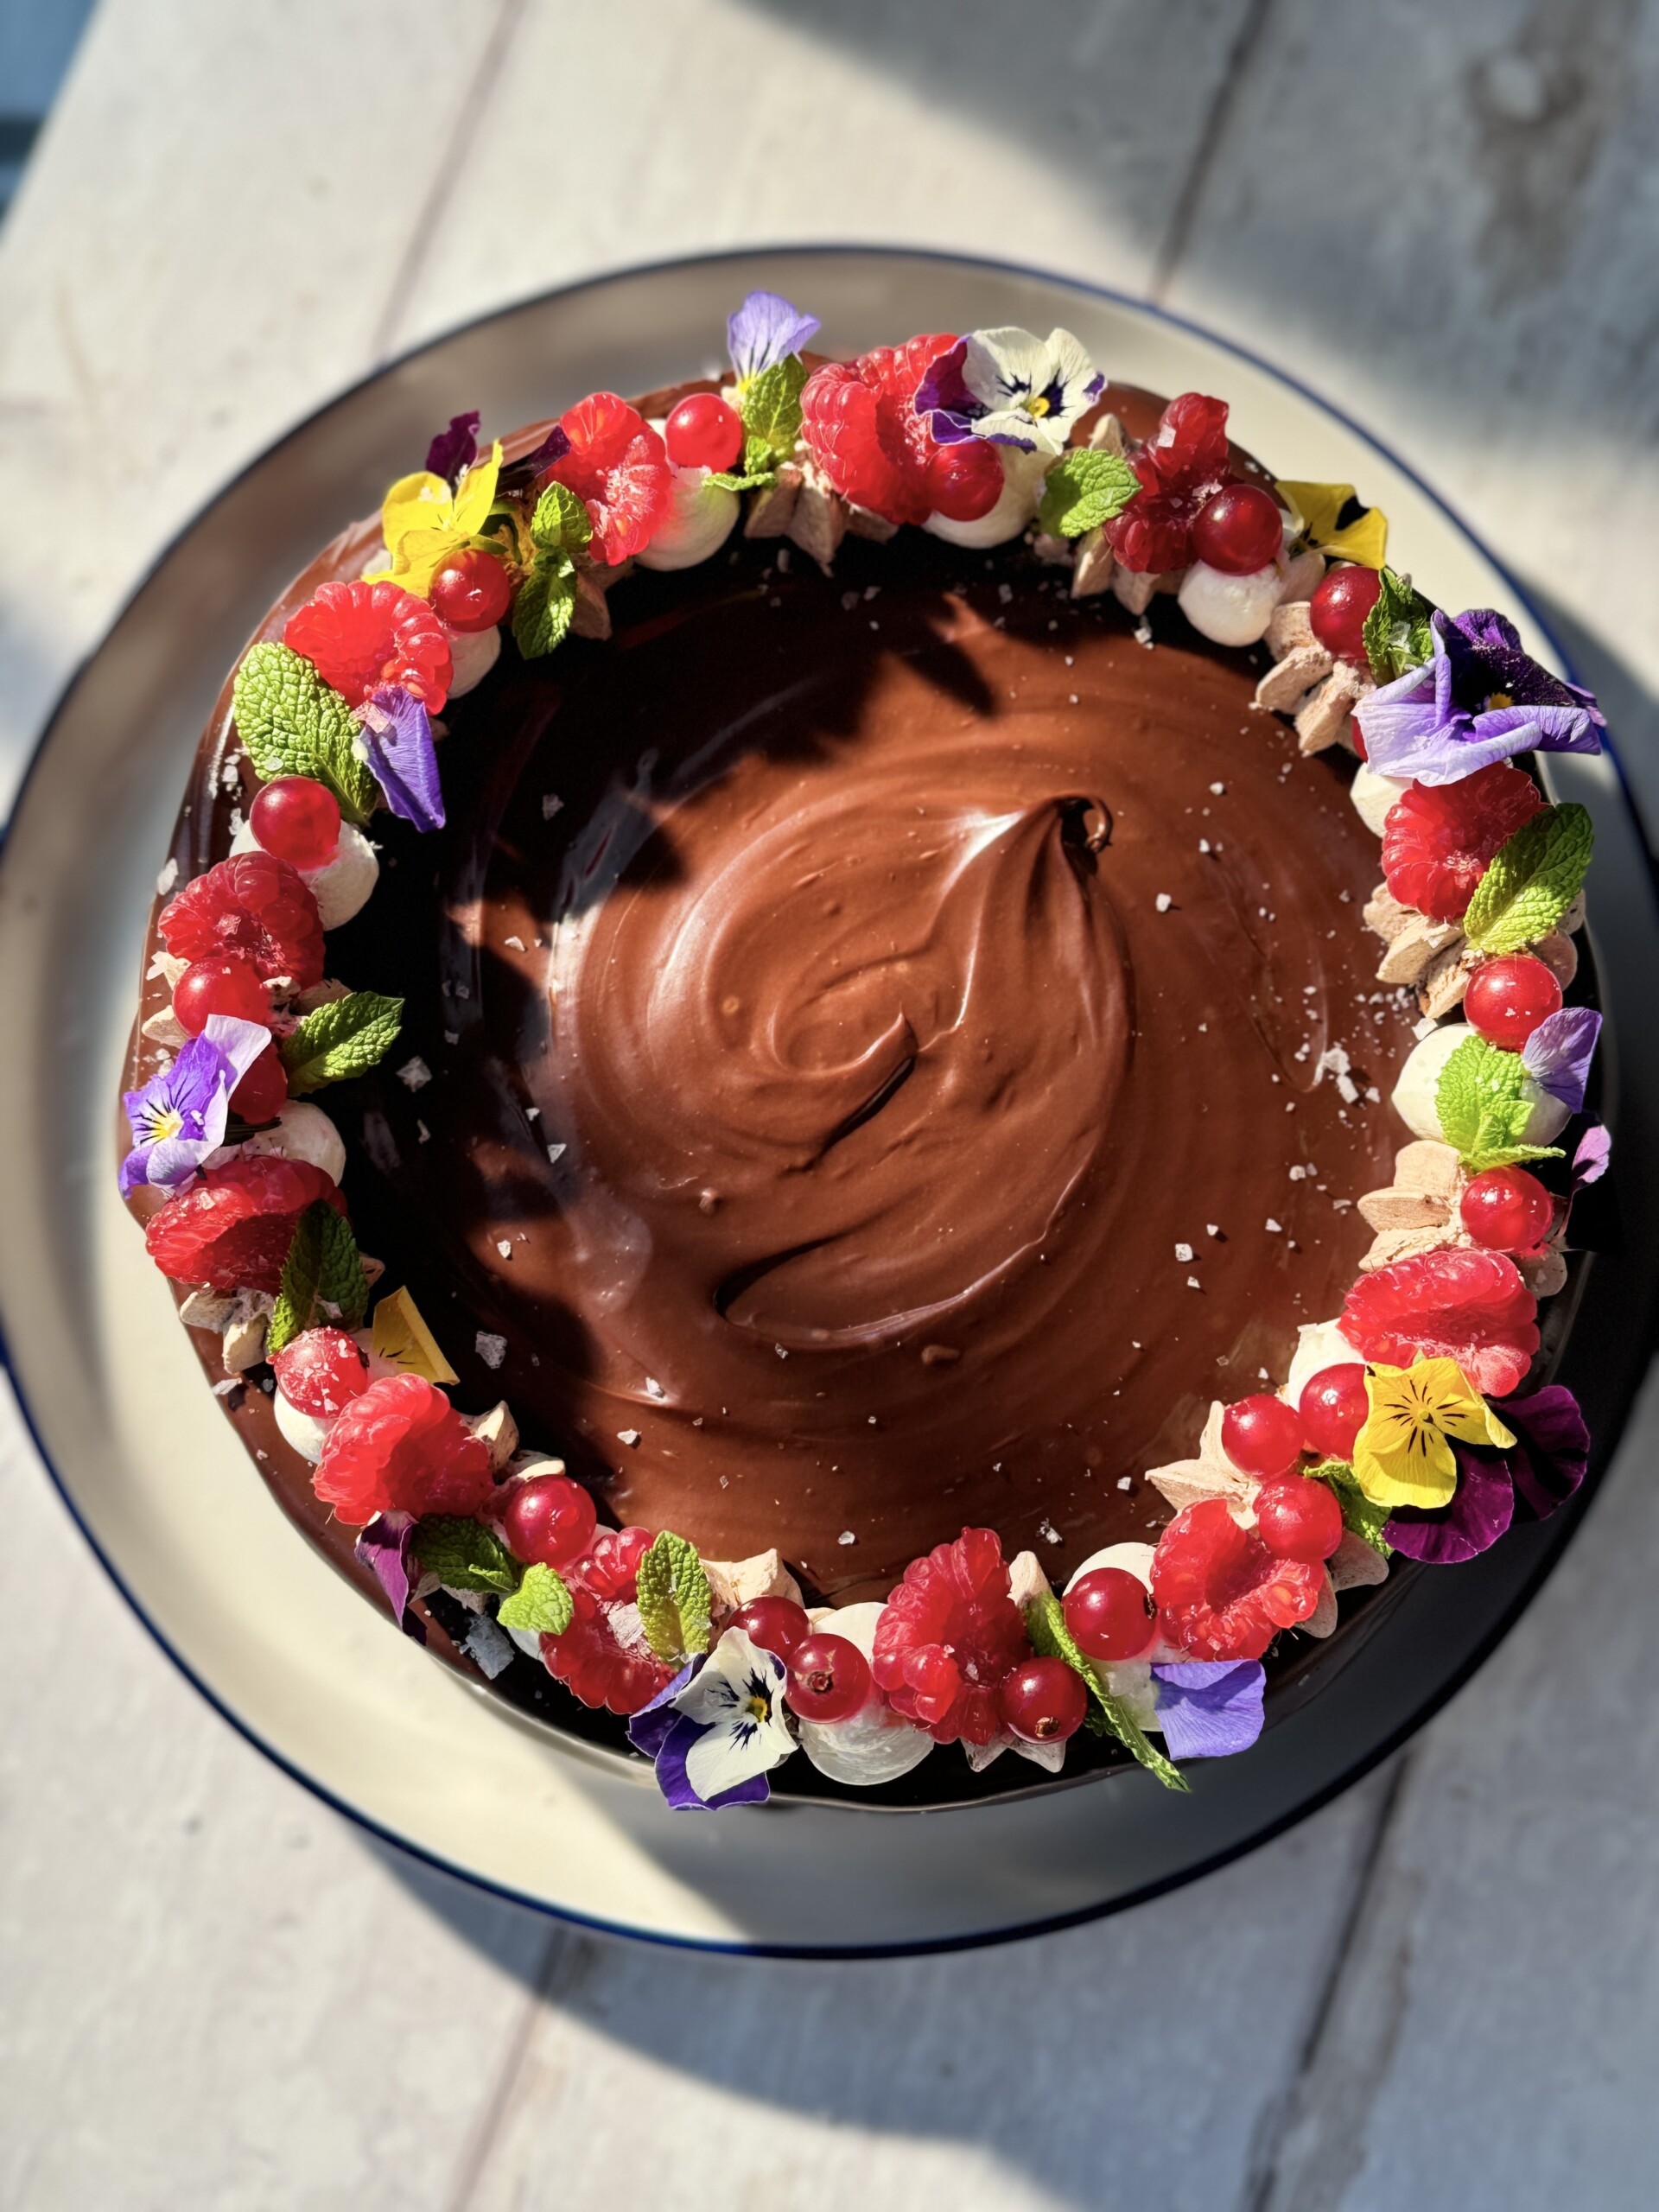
(320, 1372)
(1468, 1305)
(401, 1448)
(947, 1637)
(360, 637)
(618, 466)
(610, 1566)
(861, 426)
(1189, 449)
(231, 1229)
(1220, 1593)
(1181, 467)
(594, 1667)
(1437, 842)
(255, 904)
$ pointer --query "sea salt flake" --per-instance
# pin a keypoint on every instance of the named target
(653, 1388)
(504, 1247)
(846, 1537)
(166, 878)
(848, 601)
(1184, 1252)
(414, 1073)
(223, 1389)
(1274, 1228)
(516, 943)
(782, 1351)
(1049, 1532)
(1217, 789)
(1123, 1482)
(556, 1153)
(1005, 593)
(1192, 1283)
(424, 1136)
(551, 805)
(1163, 902)
(492, 1350)
(1297, 1173)
(1211, 1228)
(628, 1436)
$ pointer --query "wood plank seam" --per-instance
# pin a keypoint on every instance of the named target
(1189, 198)
(499, 2094)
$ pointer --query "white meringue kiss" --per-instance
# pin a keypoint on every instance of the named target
(700, 519)
(1231, 610)
(473, 654)
(303, 1131)
(1374, 795)
(875, 1745)
(1016, 509)
(307, 1433)
(342, 885)
(1319, 1344)
(1415, 1095)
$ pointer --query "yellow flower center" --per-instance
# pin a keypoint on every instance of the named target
(1500, 699)
(761, 1708)
(1037, 405)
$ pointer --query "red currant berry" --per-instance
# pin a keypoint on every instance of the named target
(1263, 1435)
(1239, 530)
(959, 483)
(224, 983)
(471, 591)
(297, 821)
(1507, 999)
(263, 1092)
(703, 432)
(1334, 1406)
(1297, 1519)
(777, 1625)
(550, 1519)
(1506, 1209)
(1043, 1700)
(829, 1678)
(1109, 1614)
(320, 1372)
(1337, 610)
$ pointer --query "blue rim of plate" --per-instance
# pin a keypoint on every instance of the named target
(983, 1939)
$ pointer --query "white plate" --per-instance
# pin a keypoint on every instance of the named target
(284, 1648)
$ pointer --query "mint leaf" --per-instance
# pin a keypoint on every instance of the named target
(560, 524)
(673, 1598)
(322, 1278)
(465, 1555)
(1052, 1639)
(1359, 1516)
(757, 455)
(541, 1604)
(293, 724)
(1397, 633)
(340, 1039)
(1085, 489)
(1484, 1102)
(1532, 881)
(727, 482)
(770, 405)
(545, 607)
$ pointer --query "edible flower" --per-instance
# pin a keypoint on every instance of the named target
(767, 329)
(456, 448)
(398, 738)
(1540, 1469)
(1319, 507)
(179, 1116)
(1208, 1708)
(1557, 1054)
(424, 521)
(1478, 699)
(717, 1728)
(1010, 388)
(382, 1546)
(1403, 1455)
(1590, 1161)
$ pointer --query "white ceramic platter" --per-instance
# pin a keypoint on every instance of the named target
(285, 1649)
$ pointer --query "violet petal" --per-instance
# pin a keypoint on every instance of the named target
(675, 1785)
(1559, 1051)
(767, 329)
(1551, 1453)
(649, 1727)
(1209, 1708)
(1595, 1150)
(456, 448)
(1479, 1512)
(382, 1546)
(397, 737)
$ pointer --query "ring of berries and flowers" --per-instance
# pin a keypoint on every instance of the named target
(1410, 1422)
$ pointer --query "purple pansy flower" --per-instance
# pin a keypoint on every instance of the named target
(717, 1728)
(456, 448)
(1209, 1708)
(1526, 1481)
(398, 738)
(1557, 1054)
(179, 1116)
(1479, 699)
(382, 1546)
(764, 330)
(1010, 388)
(1590, 1160)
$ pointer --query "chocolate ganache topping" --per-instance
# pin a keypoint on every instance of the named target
(875, 1025)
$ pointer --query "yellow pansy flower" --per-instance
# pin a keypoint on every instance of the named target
(1318, 505)
(1403, 1456)
(424, 522)
(400, 1335)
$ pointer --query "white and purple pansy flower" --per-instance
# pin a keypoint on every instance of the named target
(397, 738)
(767, 329)
(1010, 388)
(718, 1728)
(1209, 1708)
(1478, 700)
(179, 1116)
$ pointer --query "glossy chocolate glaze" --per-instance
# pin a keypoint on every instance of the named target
(893, 1028)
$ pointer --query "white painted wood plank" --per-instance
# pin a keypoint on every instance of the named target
(1494, 2040)
(1126, 2063)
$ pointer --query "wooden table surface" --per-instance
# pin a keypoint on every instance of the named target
(1442, 1991)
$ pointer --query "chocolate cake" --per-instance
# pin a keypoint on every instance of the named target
(888, 1038)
